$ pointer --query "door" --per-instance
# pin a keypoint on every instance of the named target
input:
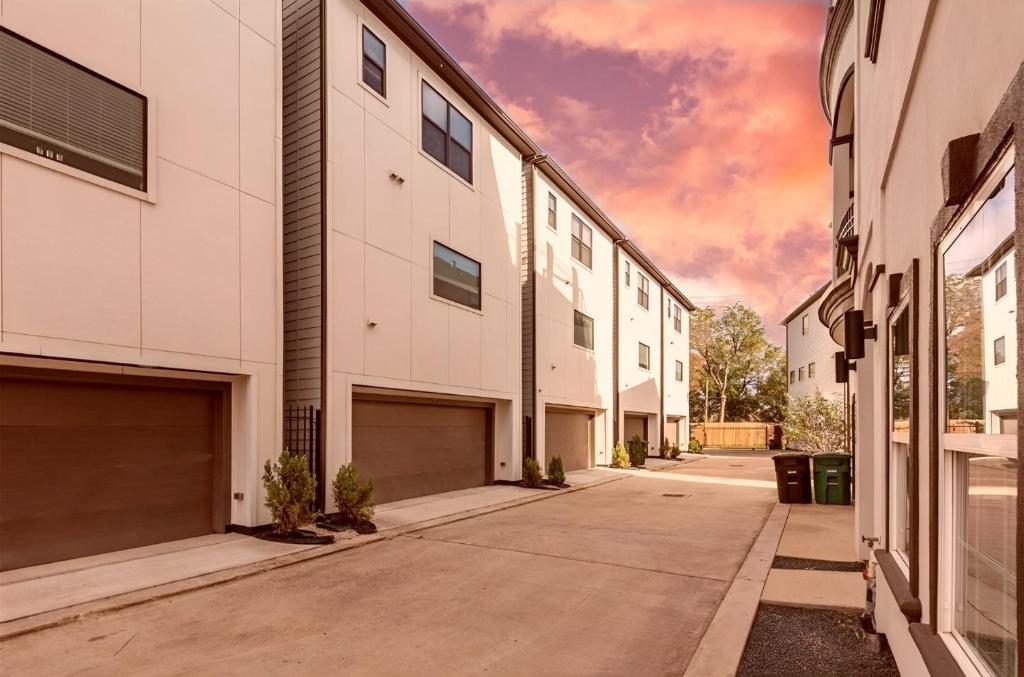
(672, 430)
(95, 463)
(415, 449)
(569, 434)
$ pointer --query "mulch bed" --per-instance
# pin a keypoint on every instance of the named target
(802, 564)
(298, 537)
(544, 485)
(788, 640)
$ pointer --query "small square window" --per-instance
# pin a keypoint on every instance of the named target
(679, 371)
(810, 371)
(456, 277)
(552, 211)
(583, 330)
(374, 62)
(645, 356)
(643, 291)
(999, 350)
(582, 241)
(1001, 281)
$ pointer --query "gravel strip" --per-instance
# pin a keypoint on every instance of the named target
(792, 641)
(802, 564)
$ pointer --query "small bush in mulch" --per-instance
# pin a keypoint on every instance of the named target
(674, 452)
(531, 474)
(354, 501)
(696, 447)
(620, 459)
(637, 452)
(291, 490)
(556, 472)
(665, 449)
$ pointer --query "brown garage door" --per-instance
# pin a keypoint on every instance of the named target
(636, 425)
(414, 449)
(569, 434)
(91, 464)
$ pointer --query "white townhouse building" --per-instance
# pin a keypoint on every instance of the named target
(810, 352)
(926, 102)
(140, 272)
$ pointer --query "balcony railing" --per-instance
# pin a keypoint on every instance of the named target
(846, 243)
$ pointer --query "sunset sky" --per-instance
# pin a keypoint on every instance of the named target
(695, 124)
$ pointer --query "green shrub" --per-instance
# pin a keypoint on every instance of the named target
(531, 473)
(674, 451)
(637, 451)
(556, 471)
(696, 447)
(291, 490)
(353, 499)
(665, 448)
(620, 459)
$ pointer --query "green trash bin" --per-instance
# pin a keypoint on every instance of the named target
(832, 478)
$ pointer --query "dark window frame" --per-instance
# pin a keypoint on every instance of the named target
(645, 365)
(449, 139)
(581, 250)
(1001, 283)
(811, 370)
(643, 291)
(999, 351)
(434, 279)
(552, 211)
(382, 66)
(627, 268)
(575, 325)
(679, 371)
(677, 319)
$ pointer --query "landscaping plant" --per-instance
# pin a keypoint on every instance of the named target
(291, 490)
(556, 471)
(696, 447)
(531, 473)
(637, 452)
(620, 459)
(665, 448)
(674, 451)
(815, 424)
(353, 499)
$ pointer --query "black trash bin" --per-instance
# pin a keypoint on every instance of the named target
(832, 478)
(793, 477)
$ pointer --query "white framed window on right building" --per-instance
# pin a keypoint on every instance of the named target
(977, 302)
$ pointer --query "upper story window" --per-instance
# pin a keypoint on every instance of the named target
(792, 377)
(679, 371)
(645, 356)
(552, 211)
(677, 319)
(803, 325)
(582, 241)
(1001, 281)
(583, 330)
(999, 350)
(63, 112)
(456, 277)
(627, 269)
(643, 291)
(375, 62)
(810, 371)
(800, 374)
(447, 134)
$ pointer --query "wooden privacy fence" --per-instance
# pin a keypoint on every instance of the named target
(738, 435)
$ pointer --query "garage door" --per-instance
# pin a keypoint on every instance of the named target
(569, 434)
(413, 449)
(91, 465)
(636, 425)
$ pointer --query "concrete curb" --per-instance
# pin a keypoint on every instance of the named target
(49, 619)
(721, 648)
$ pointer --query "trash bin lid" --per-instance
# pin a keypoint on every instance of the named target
(832, 460)
(832, 454)
(790, 454)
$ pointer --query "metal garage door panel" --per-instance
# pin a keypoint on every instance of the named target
(412, 449)
(569, 435)
(87, 468)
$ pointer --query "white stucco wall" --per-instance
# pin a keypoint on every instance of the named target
(380, 252)
(566, 373)
(189, 280)
(639, 389)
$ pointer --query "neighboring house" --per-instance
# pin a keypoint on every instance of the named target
(810, 352)
(140, 347)
(676, 368)
(927, 207)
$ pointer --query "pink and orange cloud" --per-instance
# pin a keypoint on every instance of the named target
(694, 123)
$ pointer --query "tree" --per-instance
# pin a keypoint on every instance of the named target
(816, 424)
(734, 360)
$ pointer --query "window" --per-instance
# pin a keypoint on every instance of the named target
(668, 308)
(447, 134)
(627, 273)
(456, 277)
(583, 330)
(645, 356)
(68, 114)
(902, 470)
(1001, 281)
(679, 371)
(643, 287)
(375, 57)
(800, 374)
(979, 439)
(803, 326)
(792, 377)
(552, 211)
(582, 239)
(677, 320)
(810, 371)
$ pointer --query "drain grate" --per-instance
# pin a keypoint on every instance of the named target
(676, 495)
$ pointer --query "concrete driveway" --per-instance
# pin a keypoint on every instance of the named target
(619, 578)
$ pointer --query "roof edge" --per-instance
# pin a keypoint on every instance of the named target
(805, 303)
